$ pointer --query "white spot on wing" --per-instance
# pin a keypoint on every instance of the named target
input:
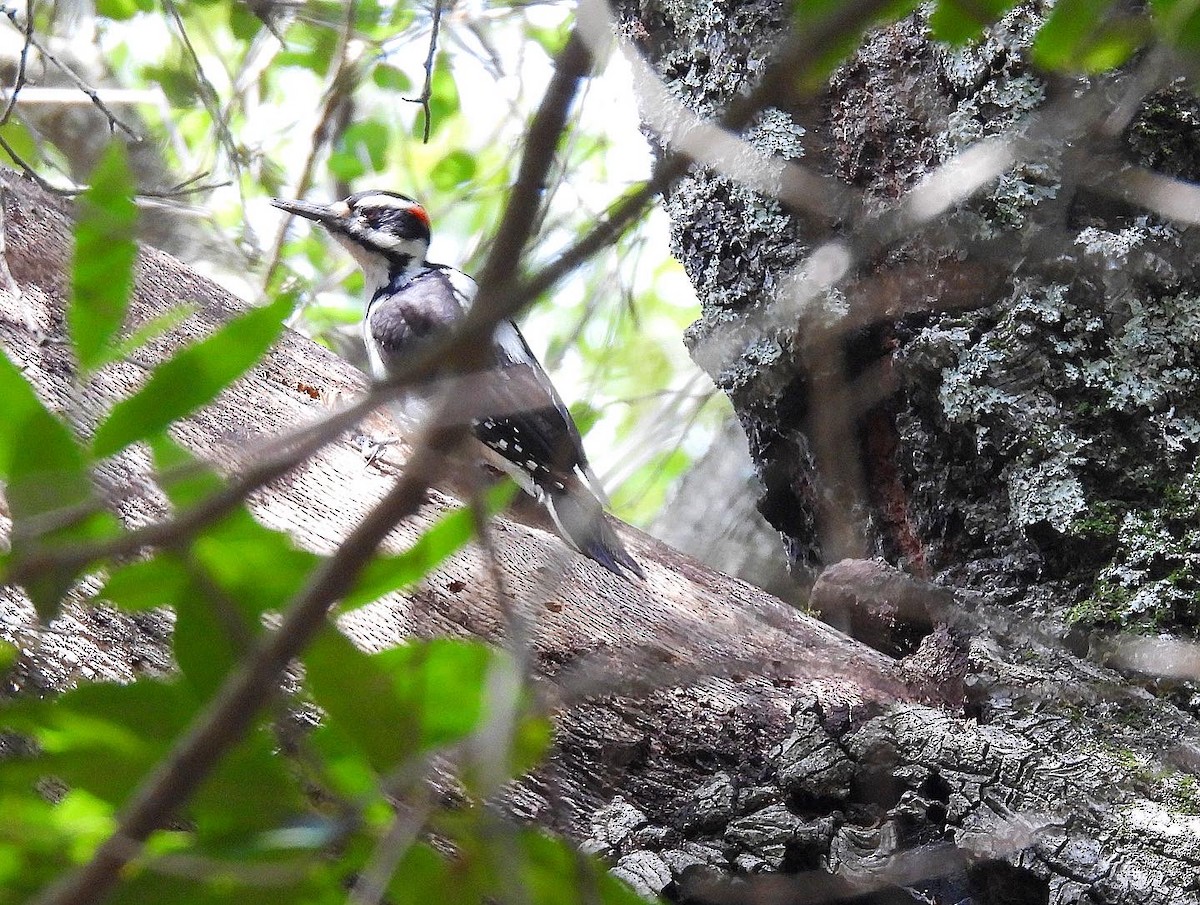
(508, 338)
(464, 287)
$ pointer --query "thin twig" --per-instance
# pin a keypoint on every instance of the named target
(22, 62)
(208, 92)
(341, 86)
(427, 89)
(114, 122)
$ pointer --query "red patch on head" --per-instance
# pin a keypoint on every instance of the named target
(419, 212)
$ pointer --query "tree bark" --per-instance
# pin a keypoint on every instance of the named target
(706, 730)
(1022, 381)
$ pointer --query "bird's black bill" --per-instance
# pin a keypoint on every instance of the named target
(322, 213)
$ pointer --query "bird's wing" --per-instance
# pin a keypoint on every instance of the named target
(513, 407)
(526, 420)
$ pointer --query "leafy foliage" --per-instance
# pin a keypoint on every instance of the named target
(192, 377)
(300, 808)
(102, 272)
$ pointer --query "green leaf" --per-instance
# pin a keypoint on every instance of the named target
(20, 139)
(442, 683)
(102, 738)
(260, 569)
(424, 876)
(19, 404)
(211, 635)
(250, 792)
(192, 378)
(552, 39)
(1178, 22)
(445, 537)
(184, 479)
(1080, 36)
(121, 10)
(391, 79)
(105, 250)
(177, 82)
(243, 23)
(49, 489)
(153, 328)
(359, 696)
(585, 415)
(453, 170)
(362, 149)
(311, 46)
(146, 584)
(399, 702)
(958, 23)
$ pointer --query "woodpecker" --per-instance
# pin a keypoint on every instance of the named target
(521, 421)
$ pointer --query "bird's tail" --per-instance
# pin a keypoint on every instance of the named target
(581, 521)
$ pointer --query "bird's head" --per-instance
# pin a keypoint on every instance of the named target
(386, 232)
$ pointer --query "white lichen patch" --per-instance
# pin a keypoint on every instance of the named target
(1149, 818)
(1020, 190)
(1048, 492)
(1154, 357)
(776, 134)
(1155, 574)
(1112, 248)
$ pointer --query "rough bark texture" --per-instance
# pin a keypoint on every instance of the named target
(1038, 458)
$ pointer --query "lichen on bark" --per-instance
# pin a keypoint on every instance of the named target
(1066, 387)
(1038, 454)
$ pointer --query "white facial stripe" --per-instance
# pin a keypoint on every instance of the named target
(385, 240)
(384, 201)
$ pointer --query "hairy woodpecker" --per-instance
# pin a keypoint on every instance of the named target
(520, 420)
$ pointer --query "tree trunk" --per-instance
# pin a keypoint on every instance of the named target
(1021, 378)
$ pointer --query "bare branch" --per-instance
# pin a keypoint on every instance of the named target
(427, 89)
(22, 62)
(114, 122)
